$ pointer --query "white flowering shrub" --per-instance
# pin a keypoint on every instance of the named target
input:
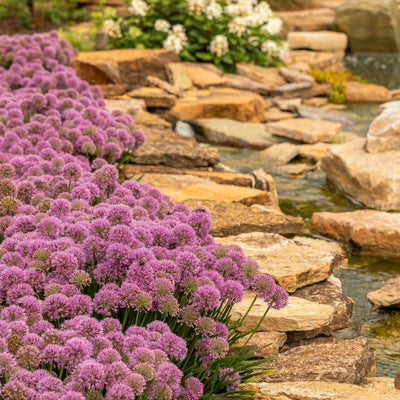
(224, 32)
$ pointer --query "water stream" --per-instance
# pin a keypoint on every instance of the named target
(303, 197)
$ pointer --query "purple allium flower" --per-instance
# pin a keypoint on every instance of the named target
(28, 357)
(173, 345)
(80, 305)
(52, 354)
(89, 375)
(136, 382)
(205, 326)
(207, 298)
(146, 370)
(264, 286)
(7, 364)
(108, 356)
(75, 351)
(120, 391)
(71, 395)
(111, 325)
(55, 307)
(232, 291)
(106, 302)
(170, 375)
(279, 298)
(16, 390)
(193, 389)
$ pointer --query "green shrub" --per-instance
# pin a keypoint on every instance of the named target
(218, 31)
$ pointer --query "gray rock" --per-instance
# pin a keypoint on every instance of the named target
(184, 129)
(320, 113)
(388, 295)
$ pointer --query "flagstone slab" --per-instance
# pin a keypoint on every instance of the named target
(291, 265)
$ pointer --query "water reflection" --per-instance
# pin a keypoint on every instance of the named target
(382, 69)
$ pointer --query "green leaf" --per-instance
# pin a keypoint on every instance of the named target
(204, 56)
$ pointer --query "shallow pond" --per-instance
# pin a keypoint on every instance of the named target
(303, 197)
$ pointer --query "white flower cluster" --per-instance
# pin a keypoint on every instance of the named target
(197, 6)
(219, 46)
(250, 13)
(162, 25)
(213, 10)
(176, 39)
(139, 8)
(112, 28)
(273, 49)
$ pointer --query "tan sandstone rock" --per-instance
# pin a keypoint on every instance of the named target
(235, 218)
(330, 294)
(204, 75)
(299, 315)
(369, 231)
(372, 179)
(324, 359)
(292, 266)
(178, 76)
(357, 92)
(220, 103)
(305, 129)
(373, 389)
(282, 152)
(187, 187)
(267, 76)
(153, 97)
(388, 295)
(384, 131)
(129, 66)
(228, 132)
(307, 20)
(318, 41)
(264, 344)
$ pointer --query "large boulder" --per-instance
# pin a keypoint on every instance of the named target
(372, 26)
(369, 231)
(372, 179)
(384, 131)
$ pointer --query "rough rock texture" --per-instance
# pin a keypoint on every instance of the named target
(220, 103)
(282, 152)
(225, 178)
(305, 129)
(267, 76)
(187, 187)
(384, 131)
(178, 76)
(264, 181)
(274, 114)
(306, 111)
(299, 315)
(369, 231)
(314, 151)
(235, 218)
(264, 344)
(372, 179)
(293, 89)
(204, 75)
(165, 147)
(292, 266)
(329, 294)
(320, 59)
(356, 17)
(324, 359)
(240, 82)
(318, 41)
(357, 92)
(153, 97)
(294, 75)
(373, 389)
(227, 132)
(129, 66)
(388, 295)
(324, 245)
(308, 20)
(128, 106)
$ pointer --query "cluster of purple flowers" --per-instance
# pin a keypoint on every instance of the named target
(88, 265)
